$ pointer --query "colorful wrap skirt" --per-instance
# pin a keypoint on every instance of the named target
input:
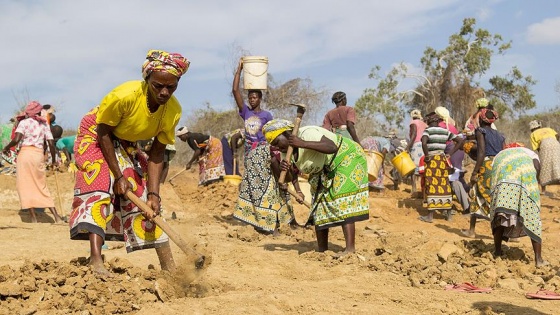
(260, 202)
(340, 193)
(480, 193)
(439, 195)
(95, 209)
(211, 163)
(516, 203)
(549, 155)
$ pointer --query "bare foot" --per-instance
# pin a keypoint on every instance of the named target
(542, 263)
(425, 218)
(468, 233)
(99, 270)
(343, 253)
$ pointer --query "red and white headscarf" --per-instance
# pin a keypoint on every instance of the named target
(32, 110)
(486, 119)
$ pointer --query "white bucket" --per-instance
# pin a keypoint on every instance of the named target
(255, 72)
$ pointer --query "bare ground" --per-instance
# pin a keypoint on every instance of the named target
(401, 266)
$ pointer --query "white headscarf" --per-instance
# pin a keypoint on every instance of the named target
(181, 131)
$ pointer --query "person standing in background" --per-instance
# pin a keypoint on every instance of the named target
(31, 134)
(341, 120)
(416, 130)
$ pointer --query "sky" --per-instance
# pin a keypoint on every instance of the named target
(71, 53)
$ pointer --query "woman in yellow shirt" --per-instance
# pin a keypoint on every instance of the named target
(545, 142)
(108, 163)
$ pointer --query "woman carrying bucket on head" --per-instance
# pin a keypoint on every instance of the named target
(438, 193)
(260, 203)
(379, 145)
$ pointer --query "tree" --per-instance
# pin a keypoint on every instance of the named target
(451, 78)
(279, 95)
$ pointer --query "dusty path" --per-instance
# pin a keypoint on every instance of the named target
(401, 265)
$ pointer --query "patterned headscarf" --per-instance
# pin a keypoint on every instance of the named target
(481, 102)
(416, 113)
(159, 60)
(32, 110)
(486, 119)
(276, 127)
(535, 124)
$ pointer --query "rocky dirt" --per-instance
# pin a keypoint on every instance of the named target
(401, 266)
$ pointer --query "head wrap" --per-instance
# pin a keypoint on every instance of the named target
(416, 113)
(181, 131)
(276, 127)
(32, 110)
(159, 60)
(443, 113)
(481, 102)
(338, 97)
(535, 124)
(514, 145)
(486, 119)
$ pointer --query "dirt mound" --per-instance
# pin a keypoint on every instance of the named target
(72, 287)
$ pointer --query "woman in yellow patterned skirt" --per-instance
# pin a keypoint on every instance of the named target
(437, 191)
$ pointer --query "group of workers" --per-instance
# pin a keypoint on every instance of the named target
(332, 157)
(507, 179)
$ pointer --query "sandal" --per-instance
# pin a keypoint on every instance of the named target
(543, 295)
(467, 287)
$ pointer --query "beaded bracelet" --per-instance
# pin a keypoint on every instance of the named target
(155, 194)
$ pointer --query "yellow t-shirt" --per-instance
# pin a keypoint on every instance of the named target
(126, 108)
(538, 135)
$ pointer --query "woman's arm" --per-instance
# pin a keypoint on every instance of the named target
(480, 154)
(197, 153)
(411, 137)
(235, 88)
(17, 138)
(325, 145)
(121, 185)
(352, 131)
(52, 149)
(155, 167)
(425, 147)
(459, 141)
